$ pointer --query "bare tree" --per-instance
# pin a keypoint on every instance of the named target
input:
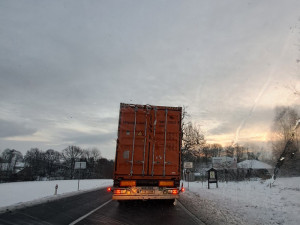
(240, 152)
(11, 157)
(193, 137)
(184, 116)
(229, 151)
(286, 140)
(216, 150)
(91, 154)
(52, 159)
(193, 141)
(206, 151)
(284, 121)
(71, 154)
(34, 160)
(95, 153)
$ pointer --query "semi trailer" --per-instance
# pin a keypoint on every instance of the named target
(148, 153)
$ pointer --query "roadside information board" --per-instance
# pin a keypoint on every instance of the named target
(80, 165)
(188, 165)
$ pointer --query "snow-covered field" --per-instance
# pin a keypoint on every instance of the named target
(248, 202)
(19, 194)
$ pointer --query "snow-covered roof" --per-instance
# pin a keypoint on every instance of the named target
(254, 164)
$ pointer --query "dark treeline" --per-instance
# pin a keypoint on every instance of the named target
(195, 149)
(37, 164)
(284, 134)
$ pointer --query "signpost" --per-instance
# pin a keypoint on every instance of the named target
(212, 177)
(79, 165)
(188, 166)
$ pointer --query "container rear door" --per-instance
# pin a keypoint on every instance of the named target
(132, 147)
(148, 141)
(165, 139)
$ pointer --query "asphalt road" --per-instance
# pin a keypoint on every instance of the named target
(96, 207)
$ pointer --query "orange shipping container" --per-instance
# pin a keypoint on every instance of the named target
(149, 145)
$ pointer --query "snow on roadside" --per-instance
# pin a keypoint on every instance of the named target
(20, 194)
(207, 210)
(248, 202)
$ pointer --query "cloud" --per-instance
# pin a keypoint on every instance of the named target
(90, 139)
(105, 142)
(64, 65)
(13, 129)
(230, 120)
(223, 128)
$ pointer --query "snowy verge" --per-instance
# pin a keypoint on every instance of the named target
(208, 211)
(248, 202)
(23, 194)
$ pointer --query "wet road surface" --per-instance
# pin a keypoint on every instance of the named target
(96, 207)
(138, 212)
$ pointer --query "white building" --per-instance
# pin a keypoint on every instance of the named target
(224, 162)
(254, 164)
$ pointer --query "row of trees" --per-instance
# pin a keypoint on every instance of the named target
(195, 149)
(52, 164)
(56, 164)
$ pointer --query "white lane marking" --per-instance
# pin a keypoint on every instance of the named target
(86, 215)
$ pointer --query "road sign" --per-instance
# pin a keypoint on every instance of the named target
(188, 165)
(212, 177)
(80, 165)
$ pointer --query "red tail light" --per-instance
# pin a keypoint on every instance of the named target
(118, 191)
(108, 189)
(175, 192)
(183, 189)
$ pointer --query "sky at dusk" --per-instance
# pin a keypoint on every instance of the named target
(65, 66)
